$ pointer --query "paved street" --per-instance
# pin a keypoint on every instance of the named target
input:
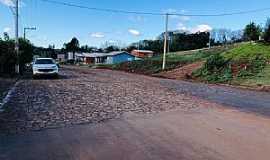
(103, 114)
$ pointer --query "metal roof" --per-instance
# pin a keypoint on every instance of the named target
(93, 55)
(145, 51)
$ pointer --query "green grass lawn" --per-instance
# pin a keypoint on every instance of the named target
(248, 50)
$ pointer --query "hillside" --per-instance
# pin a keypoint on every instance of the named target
(244, 64)
(174, 60)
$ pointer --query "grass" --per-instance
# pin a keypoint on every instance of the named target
(248, 51)
(248, 65)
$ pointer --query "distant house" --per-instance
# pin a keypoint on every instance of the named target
(104, 58)
(119, 57)
(61, 57)
(142, 53)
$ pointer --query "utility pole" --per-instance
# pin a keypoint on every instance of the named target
(165, 42)
(27, 28)
(17, 67)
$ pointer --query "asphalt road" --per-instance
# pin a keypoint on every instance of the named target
(241, 99)
(102, 114)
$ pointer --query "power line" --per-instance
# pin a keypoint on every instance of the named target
(154, 13)
(226, 14)
(100, 9)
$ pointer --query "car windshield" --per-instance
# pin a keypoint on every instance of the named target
(44, 61)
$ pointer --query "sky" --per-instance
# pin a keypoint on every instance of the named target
(57, 24)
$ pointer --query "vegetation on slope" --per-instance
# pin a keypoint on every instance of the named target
(153, 65)
(245, 64)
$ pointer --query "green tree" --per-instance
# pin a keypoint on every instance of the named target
(26, 52)
(252, 32)
(267, 31)
(111, 48)
(7, 57)
(73, 45)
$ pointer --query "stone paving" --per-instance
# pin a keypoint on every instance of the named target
(88, 96)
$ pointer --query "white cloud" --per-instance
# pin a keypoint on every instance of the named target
(97, 35)
(182, 27)
(7, 29)
(7, 2)
(10, 3)
(201, 28)
(112, 41)
(198, 28)
(178, 17)
(170, 10)
(184, 18)
(134, 32)
(137, 18)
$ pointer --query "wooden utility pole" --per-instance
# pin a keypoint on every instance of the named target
(17, 67)
(165, 42)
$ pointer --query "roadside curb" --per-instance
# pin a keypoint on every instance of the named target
(8, 96)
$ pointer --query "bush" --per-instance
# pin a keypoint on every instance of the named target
(216, 69)
(7, 57)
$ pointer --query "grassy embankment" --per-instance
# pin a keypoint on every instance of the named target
(153, 65)
(258, 57)
(246, 65)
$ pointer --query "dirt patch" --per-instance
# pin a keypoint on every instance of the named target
(181, 73)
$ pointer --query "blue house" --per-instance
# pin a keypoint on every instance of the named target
(105, 58)
(119, 57)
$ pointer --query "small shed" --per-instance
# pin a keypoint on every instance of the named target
(61, 57)
(142, 53)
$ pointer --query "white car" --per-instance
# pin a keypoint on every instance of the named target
(45, 66)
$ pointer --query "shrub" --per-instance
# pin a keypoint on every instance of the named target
(216, 69)
(7, 57)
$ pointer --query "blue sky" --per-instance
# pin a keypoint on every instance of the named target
(58, 24)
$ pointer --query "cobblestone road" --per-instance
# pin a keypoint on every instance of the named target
(173, 119)
(83, 95)
(87, 96)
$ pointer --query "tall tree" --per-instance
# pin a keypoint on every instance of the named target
(267, 31)
(252, 32)
(72, 46)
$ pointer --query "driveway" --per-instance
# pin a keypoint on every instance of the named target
(103, 114)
